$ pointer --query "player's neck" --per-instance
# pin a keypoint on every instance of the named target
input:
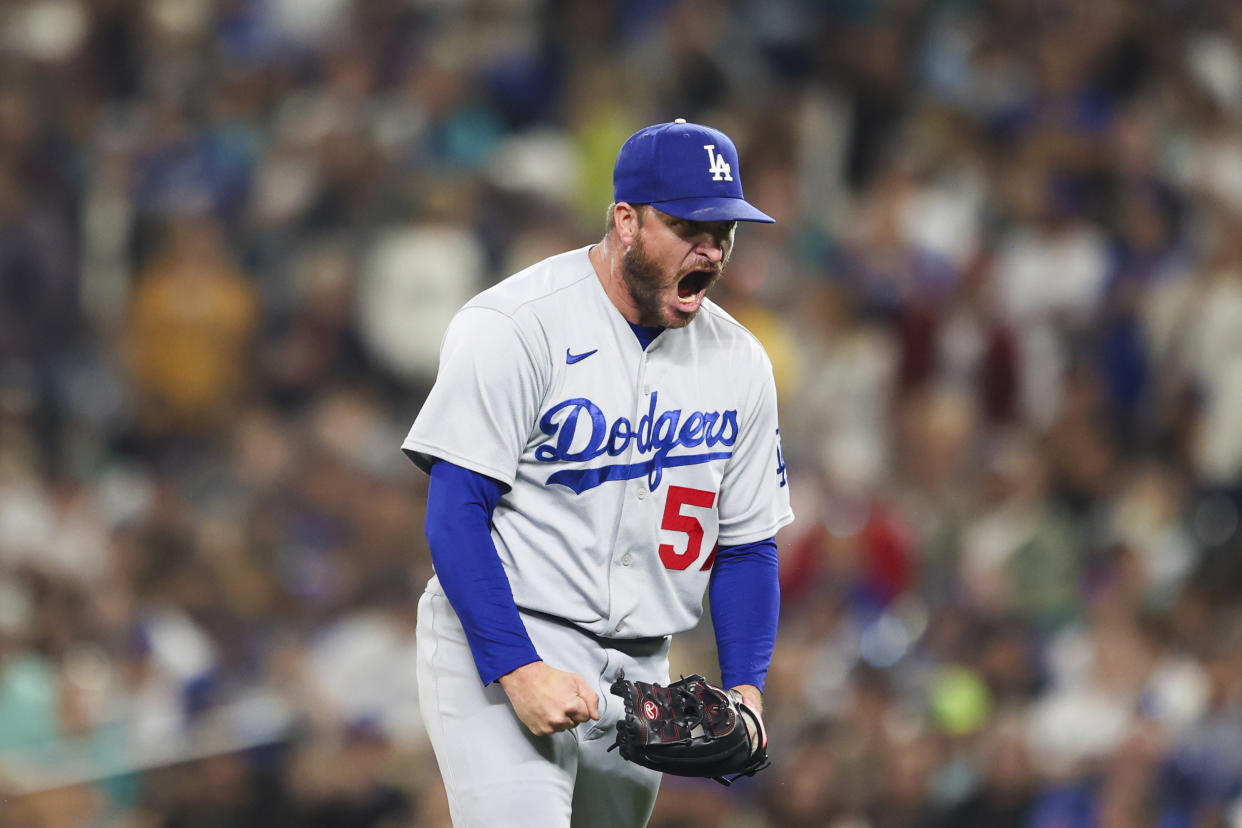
(606, 259)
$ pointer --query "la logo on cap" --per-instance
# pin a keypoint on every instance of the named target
(717, 165)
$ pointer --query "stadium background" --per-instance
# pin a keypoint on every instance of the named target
(1003, 299)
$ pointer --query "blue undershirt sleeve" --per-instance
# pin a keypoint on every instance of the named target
(745, 599)
(460, 503)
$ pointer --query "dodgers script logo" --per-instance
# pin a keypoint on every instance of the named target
(660, 434)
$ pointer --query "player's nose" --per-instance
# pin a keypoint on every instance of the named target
(710, 248)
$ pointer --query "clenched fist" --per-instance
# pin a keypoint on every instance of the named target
(548, 700)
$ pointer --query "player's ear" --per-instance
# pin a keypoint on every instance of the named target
(627, 219)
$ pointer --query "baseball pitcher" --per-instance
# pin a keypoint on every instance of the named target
(603, 447)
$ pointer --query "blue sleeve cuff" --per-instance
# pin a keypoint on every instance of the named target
(745, 604)
(460, 503)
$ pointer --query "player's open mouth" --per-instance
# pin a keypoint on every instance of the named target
(691, 287)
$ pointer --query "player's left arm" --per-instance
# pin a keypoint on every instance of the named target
(753, 504)
(754, 493)
(744, 594)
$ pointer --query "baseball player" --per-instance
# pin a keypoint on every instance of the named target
(603, 449)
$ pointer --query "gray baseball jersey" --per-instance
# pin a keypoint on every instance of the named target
(625, 466)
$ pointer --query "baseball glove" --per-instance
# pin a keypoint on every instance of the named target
(690, 728)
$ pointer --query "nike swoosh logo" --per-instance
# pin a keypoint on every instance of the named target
(570, 359)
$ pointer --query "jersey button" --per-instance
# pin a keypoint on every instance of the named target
(627, 559)
(642, 493)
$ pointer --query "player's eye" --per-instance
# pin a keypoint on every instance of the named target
(721, 231)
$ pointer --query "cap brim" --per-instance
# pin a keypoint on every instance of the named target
(713, 208)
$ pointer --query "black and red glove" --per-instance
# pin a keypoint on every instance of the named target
(690, 728)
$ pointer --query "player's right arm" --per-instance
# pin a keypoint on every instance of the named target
(469, 436)
(460, 503)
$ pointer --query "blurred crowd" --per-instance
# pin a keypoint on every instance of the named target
(1003, 300)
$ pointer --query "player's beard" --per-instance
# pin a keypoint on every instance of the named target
(648, 286)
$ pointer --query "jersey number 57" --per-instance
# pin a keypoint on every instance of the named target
(675, 521)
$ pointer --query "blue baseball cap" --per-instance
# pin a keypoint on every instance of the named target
(687, 170)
